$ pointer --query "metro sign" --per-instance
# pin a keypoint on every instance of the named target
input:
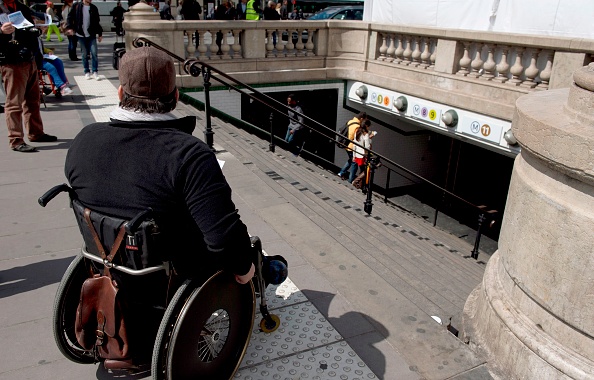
(481, 129)
(425, 112)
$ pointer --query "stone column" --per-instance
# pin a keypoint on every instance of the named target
(533, 313)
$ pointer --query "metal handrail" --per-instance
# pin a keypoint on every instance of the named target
(196, 67)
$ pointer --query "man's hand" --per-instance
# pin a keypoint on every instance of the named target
(244, 279)
(291, 131)
(69, 32)
(100, 38)
(7, 28)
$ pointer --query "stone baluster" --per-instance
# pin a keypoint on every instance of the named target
(531, 71)
(426, 54)
(299, 45)
(214, 48)
(477, 63)
(490, 65)
(391, 49)
(502, 67)
(290, 47)
(225, 47)
(416, 54)
(269, 43)
(545, 74)
(191, 48)
(279, 47)
(399, 50)
(517, 69)
(465, 60)
(236, 47)
(406, 55)
(201, 47)
(433, 53)
(383, 48)
(309, 45)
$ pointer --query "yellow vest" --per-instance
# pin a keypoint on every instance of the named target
(250, 12)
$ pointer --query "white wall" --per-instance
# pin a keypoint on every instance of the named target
(563, 18)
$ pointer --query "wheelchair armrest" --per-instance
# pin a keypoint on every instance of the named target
(51, 193)
(135, 222)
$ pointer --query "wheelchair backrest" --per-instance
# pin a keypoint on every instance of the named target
(139, 248)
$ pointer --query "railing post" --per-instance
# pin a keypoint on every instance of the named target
(477, 241)
(387, 185)
(368, 205)
(208, 133)
(271, 145)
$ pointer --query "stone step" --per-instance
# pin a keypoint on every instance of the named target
(436, 281)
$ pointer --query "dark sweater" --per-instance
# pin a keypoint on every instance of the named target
(122, 168)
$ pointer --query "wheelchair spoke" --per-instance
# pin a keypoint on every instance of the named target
(213, 336)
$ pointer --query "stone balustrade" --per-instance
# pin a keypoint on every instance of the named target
(484, 72)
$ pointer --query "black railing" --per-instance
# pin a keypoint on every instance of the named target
(195, 68)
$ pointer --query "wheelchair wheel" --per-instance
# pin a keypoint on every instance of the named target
(64, 314)
(205, 330)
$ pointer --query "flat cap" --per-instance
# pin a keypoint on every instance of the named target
(147, 73)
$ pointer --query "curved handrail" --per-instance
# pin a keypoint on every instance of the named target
(196, 67)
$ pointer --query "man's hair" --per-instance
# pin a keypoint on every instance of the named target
(163, 104)
(362, 115)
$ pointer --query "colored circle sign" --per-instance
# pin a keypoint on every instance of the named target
(380, 99)
(475, 126)
(373, 96)
(387, 101)
(424, 112)
(416, 109)
(485, 130)
(432, 114)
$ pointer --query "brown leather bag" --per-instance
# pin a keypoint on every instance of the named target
(101, 314)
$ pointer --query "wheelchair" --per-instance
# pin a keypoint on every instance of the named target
(202, 328)
(47, 86)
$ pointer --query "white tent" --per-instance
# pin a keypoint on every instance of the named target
(563, 18)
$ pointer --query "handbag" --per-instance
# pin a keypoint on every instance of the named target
(359, 181)
(101, 316)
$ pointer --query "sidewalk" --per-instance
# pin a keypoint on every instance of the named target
(342, 315)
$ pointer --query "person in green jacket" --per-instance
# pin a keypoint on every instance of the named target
(253, 11)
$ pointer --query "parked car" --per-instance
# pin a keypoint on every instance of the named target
(346, 12)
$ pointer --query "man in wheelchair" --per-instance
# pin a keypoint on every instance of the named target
(146, 158)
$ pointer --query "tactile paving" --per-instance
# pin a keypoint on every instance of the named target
(100, 95)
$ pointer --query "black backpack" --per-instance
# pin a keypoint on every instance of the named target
(343, 138)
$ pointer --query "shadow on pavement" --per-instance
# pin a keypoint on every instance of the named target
(33, 276)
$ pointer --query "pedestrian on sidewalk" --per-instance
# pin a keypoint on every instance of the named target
(166, 169)
(21, 80)
(84, 22)
(350, 166)
(117, 13)
(52, 28)
(72, 40)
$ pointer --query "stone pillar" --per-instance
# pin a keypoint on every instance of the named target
(533, 313)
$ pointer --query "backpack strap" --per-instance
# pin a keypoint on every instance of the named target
(116, 244)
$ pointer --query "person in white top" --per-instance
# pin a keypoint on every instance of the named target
(362, 137)
(84, 22)
(53, 27)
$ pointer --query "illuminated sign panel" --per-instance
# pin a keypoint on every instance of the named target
(480, 128)
(425, 112)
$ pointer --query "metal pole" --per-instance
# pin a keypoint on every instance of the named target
(368, 205)
(271, 145)
(208, 133)
(387, 185)
(477, 241)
